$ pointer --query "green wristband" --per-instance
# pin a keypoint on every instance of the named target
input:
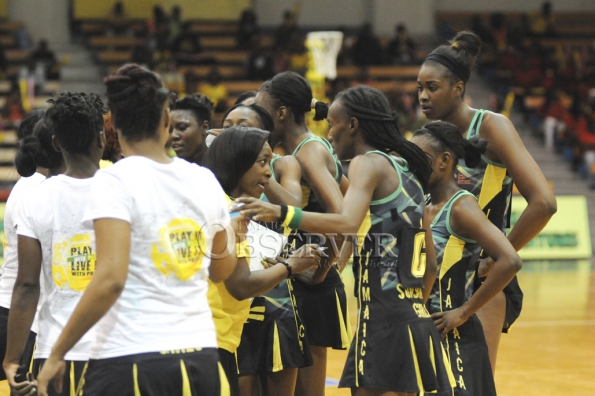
(296, 220)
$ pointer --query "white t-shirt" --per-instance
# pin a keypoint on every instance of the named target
(171, 209)
(52, 213)
(8, 272)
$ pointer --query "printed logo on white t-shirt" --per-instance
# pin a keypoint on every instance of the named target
(180, 249)
(73, 263)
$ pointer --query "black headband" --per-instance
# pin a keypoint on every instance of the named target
(451, 64)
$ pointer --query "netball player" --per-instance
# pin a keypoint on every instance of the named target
(273, 339)
(52, 242)
(190, 121)
(32, 176)
(159, 227)
(441, 86)
(285, 169)
(396, 349)
(246, 98)
(240, 158)
(323, 307)
(460, 231)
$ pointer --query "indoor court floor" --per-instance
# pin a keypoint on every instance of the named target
(551, 348)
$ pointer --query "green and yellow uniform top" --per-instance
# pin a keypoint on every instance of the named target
(456, 256)
(309, 201)
(489, 181)
(229, 314)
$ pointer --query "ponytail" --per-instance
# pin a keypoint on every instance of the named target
(291, 90)
(380, 128)
(448, 137)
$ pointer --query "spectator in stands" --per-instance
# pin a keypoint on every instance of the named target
(499, 28)
(176, 26)
(118, 20)
(298, 54)
(158, 29)
(260, 62)
(401, 49)
(216, 91)
(186, 50)
(46, 57)
(367, 50)
(483, 32)
(542, 22)
(33, 74)
(286, 30)
(247, 28)
(13, 111)
(3, 64)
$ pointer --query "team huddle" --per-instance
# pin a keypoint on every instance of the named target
(151, 276)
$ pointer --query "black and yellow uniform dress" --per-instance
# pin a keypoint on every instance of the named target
(323, 307)
(229, 316)
(274, 337)
(396, 345)
(492, 185)
(466, 345)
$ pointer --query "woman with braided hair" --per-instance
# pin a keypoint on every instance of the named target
(396, 349)
(320, 293)
(441, 89)
(460, 231)
(53, 244)
(160, 229)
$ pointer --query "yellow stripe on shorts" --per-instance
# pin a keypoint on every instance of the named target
(225, 391)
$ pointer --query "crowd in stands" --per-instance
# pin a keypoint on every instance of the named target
(24, 72)
(545, 69)
(195, 56)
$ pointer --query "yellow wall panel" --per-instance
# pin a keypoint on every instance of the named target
(3, 8)
(191, 9)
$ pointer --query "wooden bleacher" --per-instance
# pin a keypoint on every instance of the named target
(567, 24)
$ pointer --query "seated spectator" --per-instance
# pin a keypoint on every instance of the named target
(298, 54)
(186, 50)
(13, 112)
(247, 28)
(401, 50)
(499, 28)
(118, 22)
(158, 29)
(483, 32)
(215, 90)
(542, 22)
(284, 32)
(367, 50)
(46, 57)
(176, 26)
(260, 62)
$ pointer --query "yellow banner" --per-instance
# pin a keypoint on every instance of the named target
(566, 236)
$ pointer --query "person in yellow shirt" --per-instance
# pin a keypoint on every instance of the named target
(213, 89)
(240, 158)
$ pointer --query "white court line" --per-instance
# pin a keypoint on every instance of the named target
(555, 323)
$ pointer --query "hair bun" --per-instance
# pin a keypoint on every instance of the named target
(467, 41)
(26, 158)
(320, 111)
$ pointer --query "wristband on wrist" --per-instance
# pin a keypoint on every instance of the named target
(293, 219)
(289, 271)
(283, 213)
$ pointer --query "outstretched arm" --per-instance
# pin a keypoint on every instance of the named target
(286, 189)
